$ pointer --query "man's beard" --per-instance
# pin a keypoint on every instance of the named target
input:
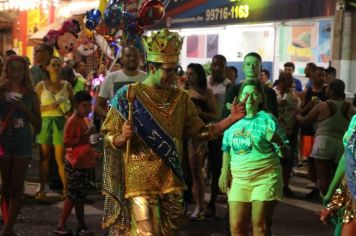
(132, 67)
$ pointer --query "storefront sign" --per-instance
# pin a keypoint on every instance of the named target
(197, 13)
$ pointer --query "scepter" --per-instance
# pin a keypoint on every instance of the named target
(130, 97)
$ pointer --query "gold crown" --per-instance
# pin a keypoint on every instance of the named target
(163, 46)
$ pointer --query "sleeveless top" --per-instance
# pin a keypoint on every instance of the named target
(61, 97)
(335, 125)
(201, 104)
(309, 130)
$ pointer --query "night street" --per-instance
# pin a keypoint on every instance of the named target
(293, 217)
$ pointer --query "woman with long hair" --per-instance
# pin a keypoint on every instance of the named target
(19, 110)
(205, 102)
(288, 108)
(55, 96)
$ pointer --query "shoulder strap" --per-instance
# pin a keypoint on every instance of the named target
(7, 119)
(331, 107)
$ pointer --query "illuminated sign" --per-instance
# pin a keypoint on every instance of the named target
(225, 13)
(197, 13)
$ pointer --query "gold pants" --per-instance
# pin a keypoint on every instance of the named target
(157, 215)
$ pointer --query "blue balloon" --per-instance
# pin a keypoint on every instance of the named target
(93, 18)
(127, 16)
(113, 13)
(116, 47)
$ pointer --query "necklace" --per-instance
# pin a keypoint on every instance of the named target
(160, 105)
(162, 99)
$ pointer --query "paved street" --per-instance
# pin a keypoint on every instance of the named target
(293, 217)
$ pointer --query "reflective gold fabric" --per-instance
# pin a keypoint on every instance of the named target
(342, 199)
(154, 215)
(144, 172)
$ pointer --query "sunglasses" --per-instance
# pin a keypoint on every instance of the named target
(170, 70)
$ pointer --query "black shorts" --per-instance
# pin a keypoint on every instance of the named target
(78, 182)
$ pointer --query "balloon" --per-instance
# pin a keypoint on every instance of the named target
(151, 11)
(113, 13)
(67, 43)
(93, 18)
(102, 6)
(85, 34)
(102, 28)
(117, 49)
(104, 46)
(132, 24)
(87, 49)
(127, 16)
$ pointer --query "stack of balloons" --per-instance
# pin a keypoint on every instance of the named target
(106, 28)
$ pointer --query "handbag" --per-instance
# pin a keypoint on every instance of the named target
(81, 156)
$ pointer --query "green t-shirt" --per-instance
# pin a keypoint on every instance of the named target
(254, 142)
(79, 85)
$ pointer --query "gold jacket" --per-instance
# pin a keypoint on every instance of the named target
(145, 173)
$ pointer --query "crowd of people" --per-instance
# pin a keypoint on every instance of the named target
(166, 131)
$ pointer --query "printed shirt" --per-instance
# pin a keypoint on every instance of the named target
(115, 80)
(288, 107)
(254, 142)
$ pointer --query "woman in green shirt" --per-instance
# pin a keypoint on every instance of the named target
(251, 173)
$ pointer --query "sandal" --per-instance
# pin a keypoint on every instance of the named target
(63, 231)
(40, 195)
(198, 214)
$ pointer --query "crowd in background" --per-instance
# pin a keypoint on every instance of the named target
(39, 104)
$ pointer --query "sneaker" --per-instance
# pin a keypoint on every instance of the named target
(198, 214)
(63, 231)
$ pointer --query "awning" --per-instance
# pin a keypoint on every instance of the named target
(37, 38)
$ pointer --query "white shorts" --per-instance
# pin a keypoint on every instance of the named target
(327, 148)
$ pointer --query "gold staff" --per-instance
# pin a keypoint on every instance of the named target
(130, 97)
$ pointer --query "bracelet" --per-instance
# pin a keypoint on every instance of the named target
(111, 139)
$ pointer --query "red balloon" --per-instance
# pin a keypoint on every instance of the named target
(102, 29)
(150, 11)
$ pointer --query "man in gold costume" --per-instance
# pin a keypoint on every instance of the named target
(143, 178)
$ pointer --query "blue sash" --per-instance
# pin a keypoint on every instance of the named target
(149, 130)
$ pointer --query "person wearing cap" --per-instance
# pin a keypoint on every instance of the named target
(143, 179)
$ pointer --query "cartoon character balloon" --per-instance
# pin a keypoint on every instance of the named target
(66, 39)
(150, 12)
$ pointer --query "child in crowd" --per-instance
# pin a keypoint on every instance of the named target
(80, 157)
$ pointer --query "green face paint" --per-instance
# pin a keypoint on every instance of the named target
(254, 100)
(251, 67)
